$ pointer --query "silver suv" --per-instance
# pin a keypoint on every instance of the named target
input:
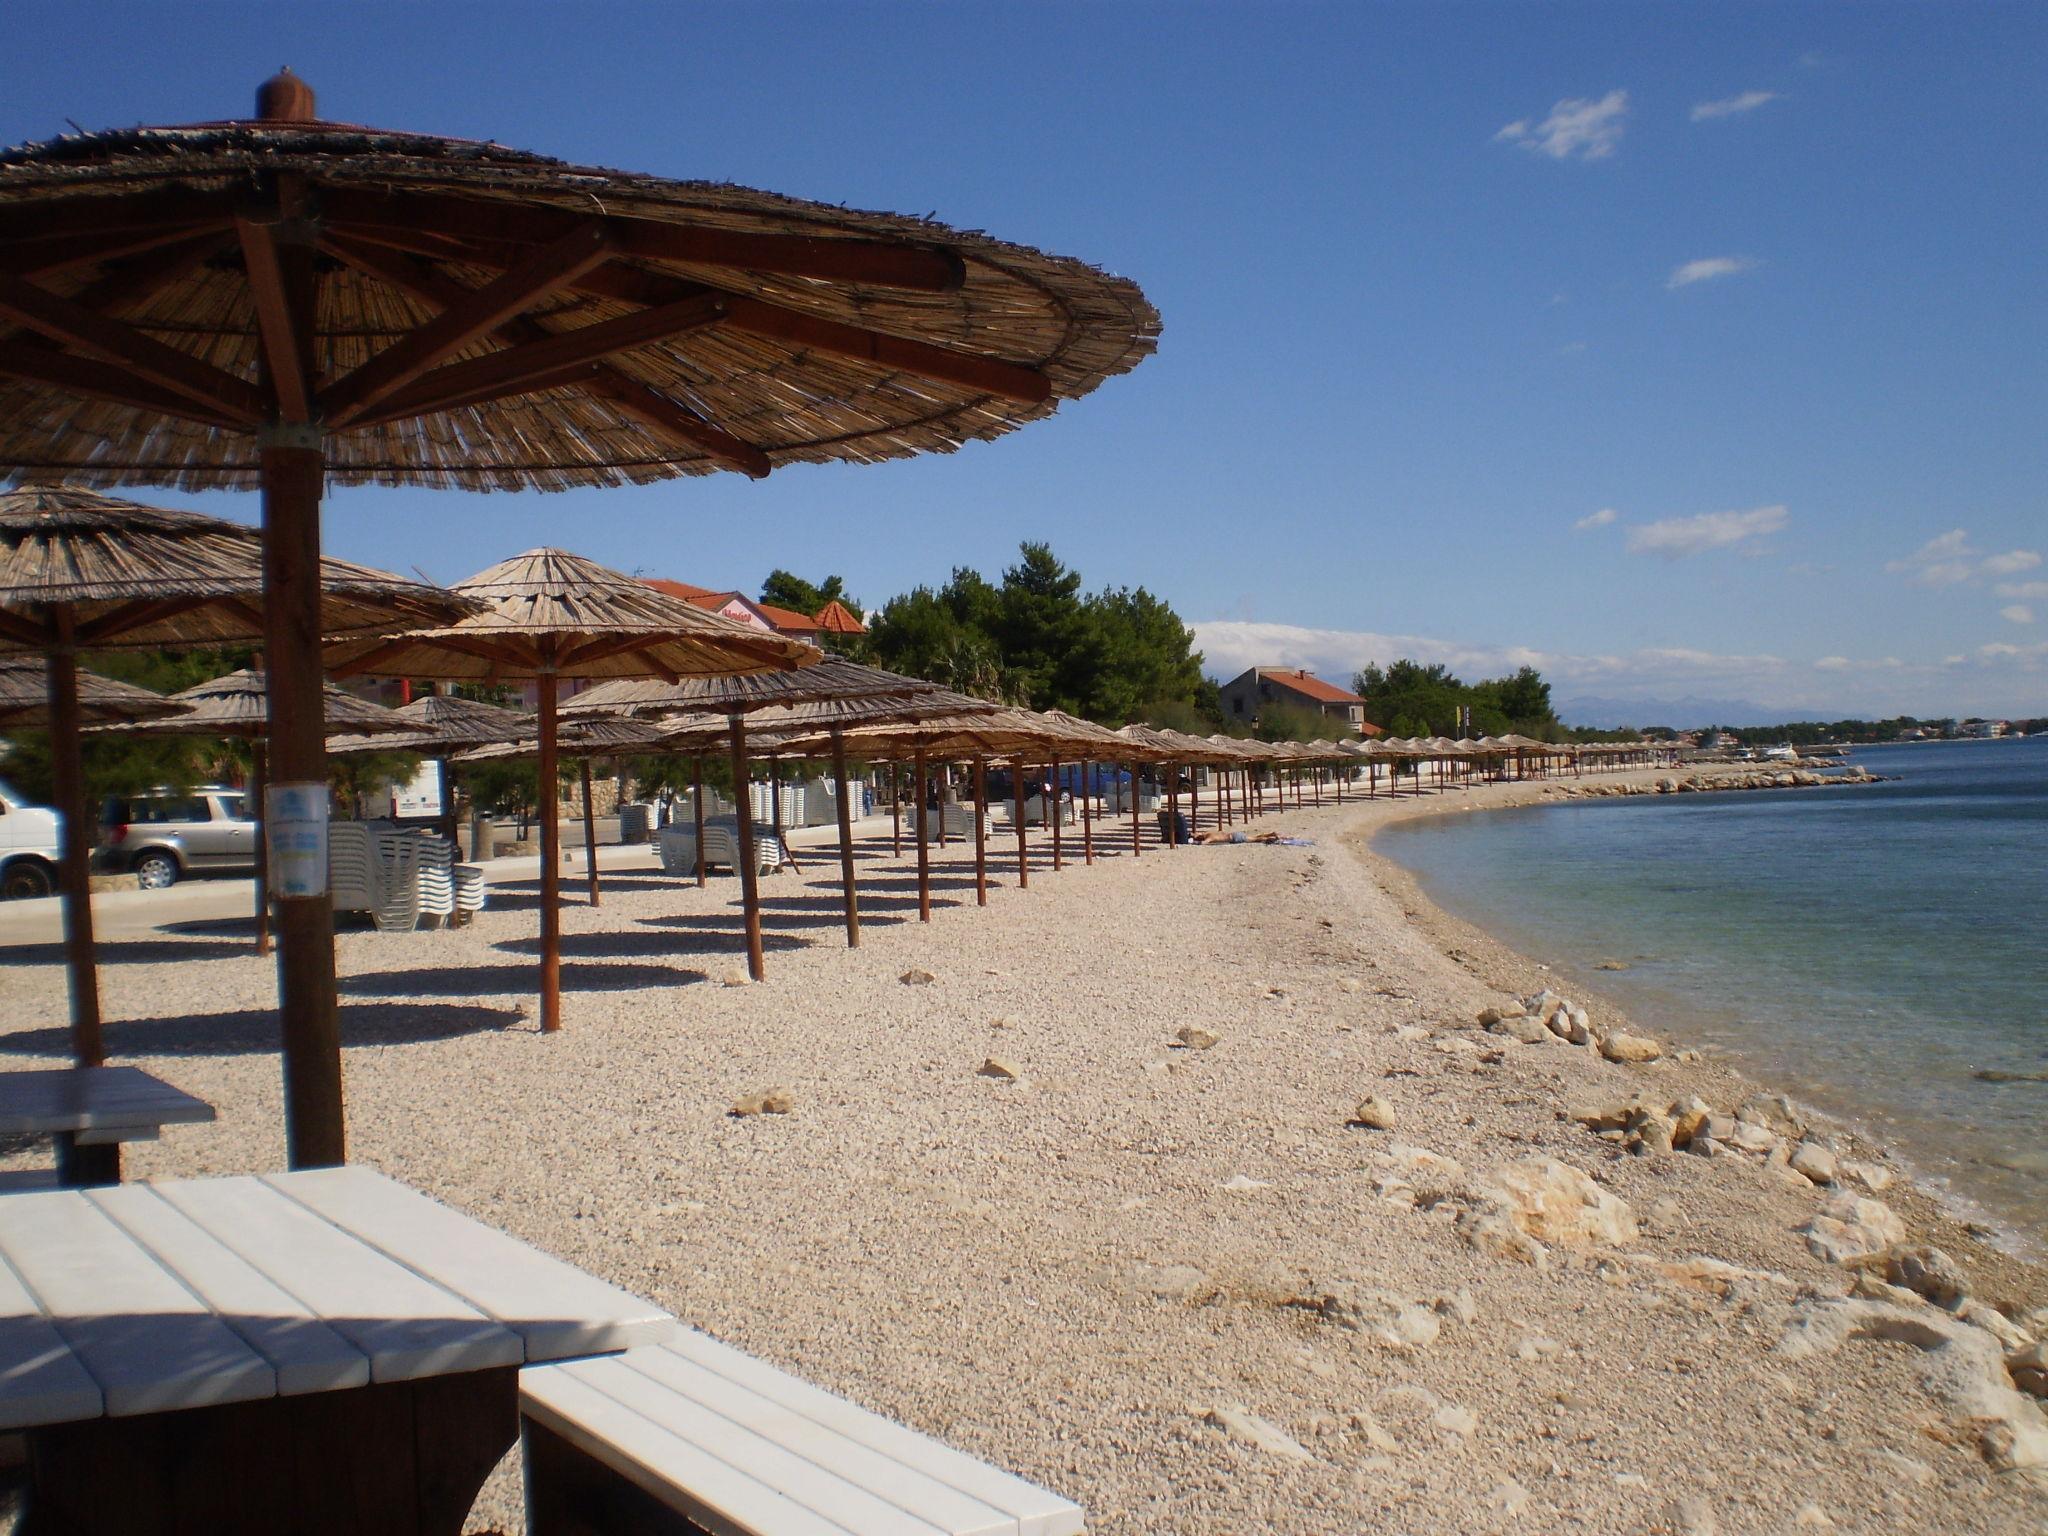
(162, 836)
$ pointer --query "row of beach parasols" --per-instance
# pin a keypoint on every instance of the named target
(547, 615)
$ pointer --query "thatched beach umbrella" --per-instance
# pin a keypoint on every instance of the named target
(82, 572)
(541, 325)
(238, 706)
(893, 714)
(25, 698)
(824, 697)
(551, 615)
(580, 741)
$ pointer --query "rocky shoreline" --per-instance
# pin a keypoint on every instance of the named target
(1979, 1321)
(1707, 781)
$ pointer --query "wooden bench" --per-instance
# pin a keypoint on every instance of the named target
(693, 1435)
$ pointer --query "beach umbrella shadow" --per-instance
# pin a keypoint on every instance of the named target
(500, 980)
(130, 952)
(254, 1031)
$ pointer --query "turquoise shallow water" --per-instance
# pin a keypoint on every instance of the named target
(1872, 950)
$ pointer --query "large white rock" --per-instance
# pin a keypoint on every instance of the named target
(1522, 1207)
(1963, 1367)
(1852, 1227)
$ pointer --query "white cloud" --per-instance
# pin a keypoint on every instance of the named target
(2017, 613)
(1598, 519)
(2031, 590)
(1577, 128)
(1998, 679)
(1571, 349)
(1731, 106)
(1677, 538)
(1949, 559)
(1709, 267)
(2023, 655)
(2012, 562)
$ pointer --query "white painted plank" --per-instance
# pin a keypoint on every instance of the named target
(891, 1479)
(149, 1342)
(559, 1310)
(406, 1325)
(45, 1101)
(306, 1354)
(41, 1381)
(723, 1499)
(761, 1458)
(113, 1135)
(1038, 1511)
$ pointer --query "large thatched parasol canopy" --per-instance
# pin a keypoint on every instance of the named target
(272, 302)
(25, 698)
(490, 319)
(549, 615)
(238, 705)
(440, 722)
(135, 577)
(830, 680)
(82, 571)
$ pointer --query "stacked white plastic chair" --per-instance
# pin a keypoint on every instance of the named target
(351, 867)
(678, 845)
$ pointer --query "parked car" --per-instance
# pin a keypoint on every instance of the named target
(163, 836)
(28, 846)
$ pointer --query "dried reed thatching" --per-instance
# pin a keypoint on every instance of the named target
(574, 738)
(442, 722)
(548, 611)
(25, 698)
(830, 680)
(140, 577)
(239, 705)
(758, 330)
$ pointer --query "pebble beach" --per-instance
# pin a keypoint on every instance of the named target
(1192, 1186)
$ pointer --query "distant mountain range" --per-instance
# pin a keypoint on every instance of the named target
(1681, 714)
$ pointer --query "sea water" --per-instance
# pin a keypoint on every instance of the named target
(1880, 951)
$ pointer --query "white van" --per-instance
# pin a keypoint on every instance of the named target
(28, 846)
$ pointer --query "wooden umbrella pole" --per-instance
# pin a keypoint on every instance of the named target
(1195, 799)
(1137, 833)
(550, 862)
(847, 897)
(293, 468)
(1052, 809)
(1087, 813)
(258, 775)
(697, 793)
(980, 832)
(74, 865)
(895, 815)
(1017, 809)
(750, 874)
(924, 839)
(589, 833)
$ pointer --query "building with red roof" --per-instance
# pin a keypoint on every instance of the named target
(1245, 695)
(834, 618)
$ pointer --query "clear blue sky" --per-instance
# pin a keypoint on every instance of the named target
(1422, 270)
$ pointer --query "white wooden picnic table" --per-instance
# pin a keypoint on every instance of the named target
(326, 1350)
(89, 1111)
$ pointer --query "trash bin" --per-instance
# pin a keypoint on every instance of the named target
(635, 823)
